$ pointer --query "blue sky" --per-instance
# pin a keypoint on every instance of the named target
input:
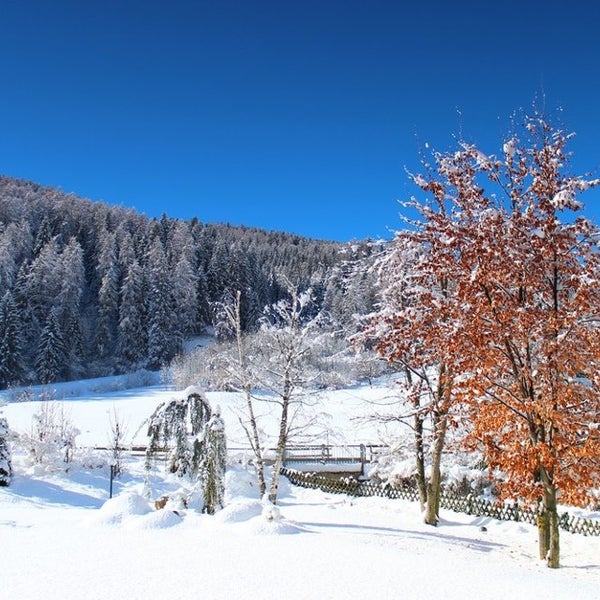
(298, 116)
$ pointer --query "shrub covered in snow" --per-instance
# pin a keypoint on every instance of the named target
(463, 475)
(5, 458)
(51, 441)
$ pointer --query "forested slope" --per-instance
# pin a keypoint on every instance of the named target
(87, 288)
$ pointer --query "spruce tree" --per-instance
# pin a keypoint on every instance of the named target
(52, 354)
(5, 459)
(133, 339)
(161, 344)
(11, 365)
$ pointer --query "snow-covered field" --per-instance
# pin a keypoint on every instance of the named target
(63, 539)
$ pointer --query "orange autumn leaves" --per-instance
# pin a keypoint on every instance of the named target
(498, 279)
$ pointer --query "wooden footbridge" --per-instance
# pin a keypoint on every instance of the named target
(326, 458)
(349, 459)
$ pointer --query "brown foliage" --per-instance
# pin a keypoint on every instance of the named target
(502, 292)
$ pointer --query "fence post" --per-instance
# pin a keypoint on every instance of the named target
(113, 469)
(324, 454)
(363, 459)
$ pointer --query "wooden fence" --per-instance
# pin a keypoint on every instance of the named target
(469, 505)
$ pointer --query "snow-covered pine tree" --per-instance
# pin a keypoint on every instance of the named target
(11, 366)
(133, 338)
(161, 342)
(5, 458)
(212, 473)
(176, 423)
(52, 351)
(108, 309)
(185, 296)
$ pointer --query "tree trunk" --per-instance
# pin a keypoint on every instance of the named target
(553, 558)
(432, 505)
(255, 444)
(549, 537)
(235, 318)
(281, 444)
(420, 460)
(419, 450)
(543, 524)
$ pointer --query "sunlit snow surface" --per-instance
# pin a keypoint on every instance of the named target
(63, 539)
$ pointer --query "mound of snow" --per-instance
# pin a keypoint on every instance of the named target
(122, 507)
(271, 522)
(240, 510)
(158, 519)
(240, 483)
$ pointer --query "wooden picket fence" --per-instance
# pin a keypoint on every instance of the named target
(470, 505)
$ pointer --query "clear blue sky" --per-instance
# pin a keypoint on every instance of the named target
(289, 115)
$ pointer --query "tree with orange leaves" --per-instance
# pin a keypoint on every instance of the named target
(518, 324)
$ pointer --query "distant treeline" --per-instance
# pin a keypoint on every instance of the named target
(90, 289)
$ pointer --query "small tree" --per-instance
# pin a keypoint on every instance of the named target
(281, 348)
(52, 438)
(197, 442)
(214, 462)
(5, 456)
(414, 327)
(118, 431)
(174, 425)
(237, 369)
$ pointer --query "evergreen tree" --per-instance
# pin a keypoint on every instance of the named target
(133, 339)
(161, 342)
(43, 236)
(214, 464)
(185, 298)
(51, 361)
(15, 245)
(11, 356)
(43, 284)
(72, 279)
(108, 311)
(176, 422)
(75, 347)
(5, 458)
(65, 253)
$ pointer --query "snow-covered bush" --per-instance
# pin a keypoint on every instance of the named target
(5, 458)
(464, 480)
(395, 470)
(51, 441)
(462, 474)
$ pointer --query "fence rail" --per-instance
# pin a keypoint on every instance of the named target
(469, 505)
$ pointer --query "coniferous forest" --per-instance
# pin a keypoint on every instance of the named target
(90, 289)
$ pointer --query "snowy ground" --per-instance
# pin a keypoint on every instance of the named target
(62, 539)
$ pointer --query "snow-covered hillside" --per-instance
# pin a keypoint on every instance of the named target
(63, 539)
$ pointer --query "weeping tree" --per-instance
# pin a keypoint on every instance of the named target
(5, 459)
(174, 426)
(194, 438)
